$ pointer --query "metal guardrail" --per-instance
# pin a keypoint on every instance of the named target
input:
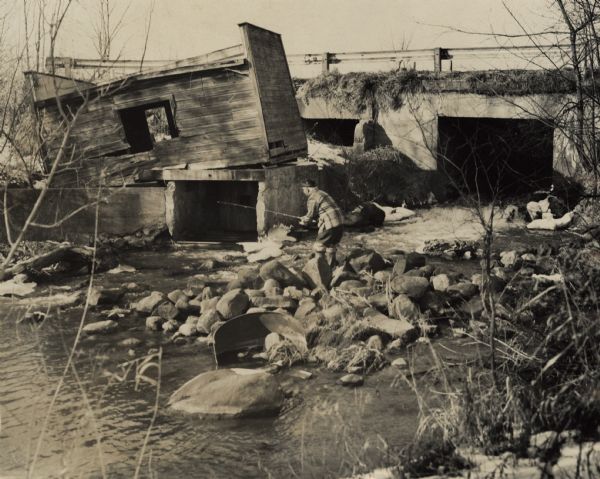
(307, 65)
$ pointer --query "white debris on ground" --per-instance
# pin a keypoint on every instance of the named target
(17, 286)
(325, 151)
(270, 246)
(393, 214)
(550, 223)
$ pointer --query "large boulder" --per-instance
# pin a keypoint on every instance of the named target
(146, 305)
(317, 273)
(280, 273)
(412, 286)
(233, 304)
(367, 214)
(229, 392)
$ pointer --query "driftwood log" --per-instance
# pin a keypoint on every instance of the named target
(77, 256)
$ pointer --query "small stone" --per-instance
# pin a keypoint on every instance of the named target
(413, 286)
(208, 293)
(187, 329)
(529, 258)
(203, 341)
(101, 327)
(131, 286)
(129, 342)
(254, 293)
(306, 307)
(105, 296)
(170, 326)
(207, 320)
(379, 301)
(270, 292)
(464, 290)
(275, 302)
(403, 308)
(351, 380)
(270, 284)
(167, 311)
(293, 292)
(208, 304)
(382, 276)
(400, 363)
(272, 340)
(440, 282)
(175, 295)
(424, 271)
(375, 342)
(394, 346)
(300, 374)
(154, 323)
(509, 259)
(232, 304)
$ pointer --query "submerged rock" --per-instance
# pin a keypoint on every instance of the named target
(229, 392)
(352, 380)
(100, 327)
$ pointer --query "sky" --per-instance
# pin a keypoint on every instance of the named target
(185, 28)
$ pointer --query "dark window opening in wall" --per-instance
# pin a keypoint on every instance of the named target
(147, 125)
(336, 132)
(493, 157)
(216, 211)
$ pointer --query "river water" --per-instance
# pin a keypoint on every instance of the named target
(95, 422)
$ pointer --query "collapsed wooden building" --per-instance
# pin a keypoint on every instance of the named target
(212, 130)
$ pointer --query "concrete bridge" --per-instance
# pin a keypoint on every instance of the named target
(444, 128)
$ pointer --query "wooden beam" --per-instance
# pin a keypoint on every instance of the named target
(203, 175)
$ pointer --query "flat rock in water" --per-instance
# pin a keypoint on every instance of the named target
(101, 327)
(352, 380)
(229, 392)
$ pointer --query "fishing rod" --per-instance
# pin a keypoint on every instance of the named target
(254, 208)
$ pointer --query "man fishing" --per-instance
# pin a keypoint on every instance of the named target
(323, 208)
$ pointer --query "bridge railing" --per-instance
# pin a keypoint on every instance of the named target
(308, 65)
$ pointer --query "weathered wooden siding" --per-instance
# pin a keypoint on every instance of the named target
(282, 120)
(215, 112)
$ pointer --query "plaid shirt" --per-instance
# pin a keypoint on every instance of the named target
(321, 205)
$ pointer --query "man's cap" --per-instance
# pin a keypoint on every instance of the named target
(309, 183)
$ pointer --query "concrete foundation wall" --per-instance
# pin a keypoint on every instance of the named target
(122, 211)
